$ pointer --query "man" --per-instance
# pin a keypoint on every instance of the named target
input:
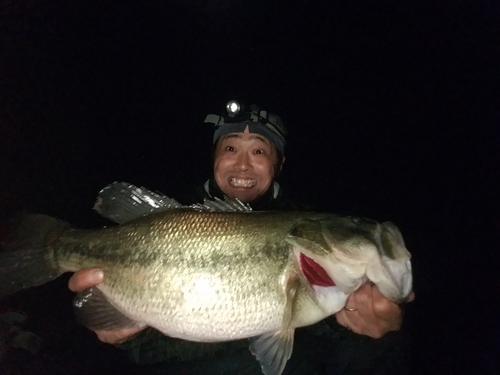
(248, 155)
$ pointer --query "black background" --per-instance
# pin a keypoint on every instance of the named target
(392, 110)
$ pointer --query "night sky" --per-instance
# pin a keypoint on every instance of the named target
(392, 110)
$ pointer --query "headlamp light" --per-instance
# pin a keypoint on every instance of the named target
(233, 108)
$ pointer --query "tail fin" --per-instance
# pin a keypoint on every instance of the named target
(25, 259)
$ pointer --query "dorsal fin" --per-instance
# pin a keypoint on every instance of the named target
(219, 205)
(122, 202)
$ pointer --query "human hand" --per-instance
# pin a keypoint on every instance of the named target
(372, 315)
(89, 278)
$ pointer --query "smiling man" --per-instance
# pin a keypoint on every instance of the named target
(245, 165)
(249, 146)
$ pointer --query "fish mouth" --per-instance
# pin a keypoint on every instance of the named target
(242, 182)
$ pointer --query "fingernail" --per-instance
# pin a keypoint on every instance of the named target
(97, 276)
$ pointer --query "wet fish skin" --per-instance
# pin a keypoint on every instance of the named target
(206, 275)
(159, 266)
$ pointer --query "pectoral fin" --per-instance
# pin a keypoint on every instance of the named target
(93, 310)
(273, 349)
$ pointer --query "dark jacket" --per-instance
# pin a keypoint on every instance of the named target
(273, 199)
(324, 348)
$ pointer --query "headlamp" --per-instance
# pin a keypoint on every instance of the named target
(233, 108)
(237, 116)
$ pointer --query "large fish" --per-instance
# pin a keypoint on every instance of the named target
(211, 272)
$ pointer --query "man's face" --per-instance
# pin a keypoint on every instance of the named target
(244, 165)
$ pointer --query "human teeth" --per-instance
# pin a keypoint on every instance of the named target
(243, 182)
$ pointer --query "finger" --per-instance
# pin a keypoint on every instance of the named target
(350, 303)
(341, 318)
(369, 325)
(119, 336)
(85, 279)
(411, 297)
(350, 320)
(372, 308)
(389, 314)
(362, 300)
(361, 296)
(382, 306)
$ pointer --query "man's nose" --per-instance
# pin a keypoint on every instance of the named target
(243, 162)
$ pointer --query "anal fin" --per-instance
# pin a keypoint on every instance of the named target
(273, 349)
(93, 310)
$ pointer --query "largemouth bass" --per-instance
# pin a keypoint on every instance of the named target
(211, 272)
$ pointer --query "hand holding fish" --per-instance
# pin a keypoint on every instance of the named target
(369, 313)
(89, 278)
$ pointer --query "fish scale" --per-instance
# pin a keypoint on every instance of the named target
(212, 272)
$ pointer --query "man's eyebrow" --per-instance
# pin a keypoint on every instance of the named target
(259, 137)
(253, 136)
(232, 135)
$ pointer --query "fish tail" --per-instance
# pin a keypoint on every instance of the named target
(26, 259)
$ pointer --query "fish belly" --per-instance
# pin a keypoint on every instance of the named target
(204, 307)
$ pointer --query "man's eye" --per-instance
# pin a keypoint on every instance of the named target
(230, 148)
(259, 152)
